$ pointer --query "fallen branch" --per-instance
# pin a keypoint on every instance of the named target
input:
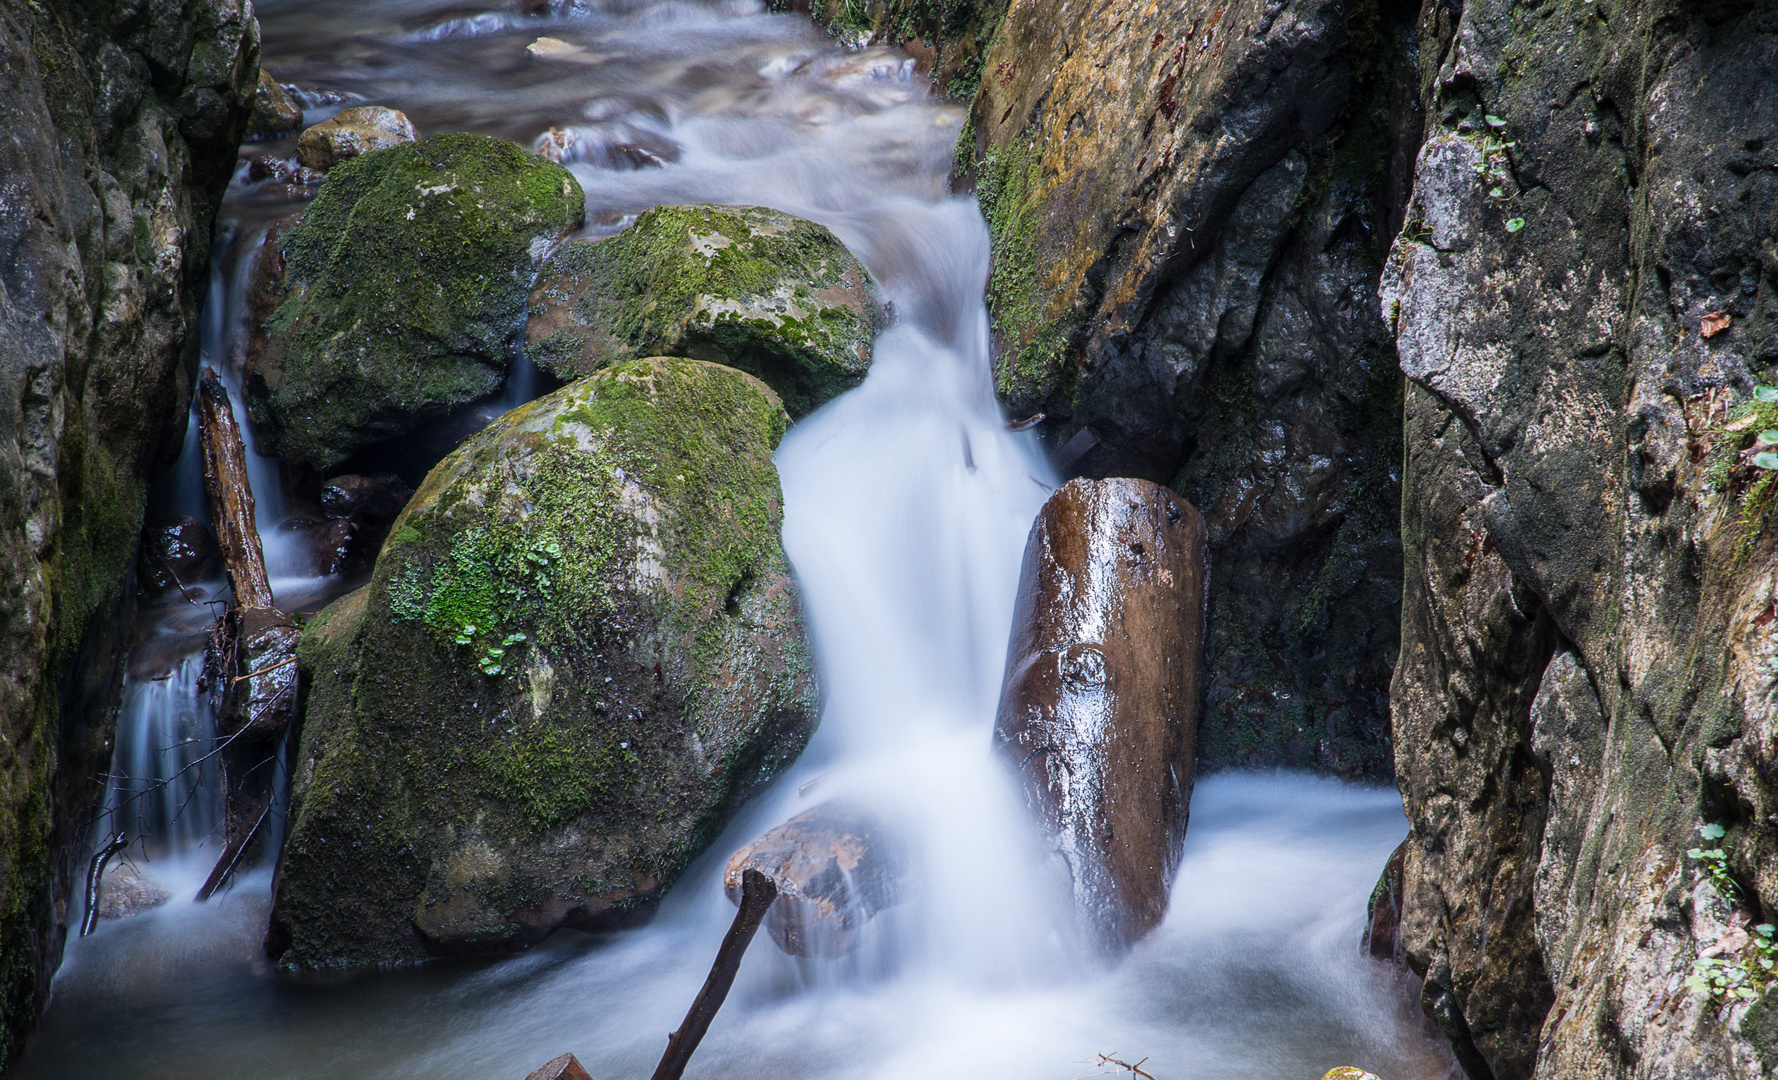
(757, 893)
(231, 856)
(95, 874)
(231, 497)
(1136, 1069)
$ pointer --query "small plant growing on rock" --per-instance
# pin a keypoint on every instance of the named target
(1745, 963)
(1716, 863)
(1495, 170)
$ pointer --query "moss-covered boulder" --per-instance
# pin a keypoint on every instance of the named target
(579, 653)
(401, 293)
(762, 291)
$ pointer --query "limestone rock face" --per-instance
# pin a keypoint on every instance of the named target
(1099, 710)
(401, 293)
(773, 295)
(351, 132)
(121, 133)
(1584, 297)
(1189, 206)
(835, 866)
(579, 653)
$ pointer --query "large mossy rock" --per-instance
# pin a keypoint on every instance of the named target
(580, 652)
(401, 294)
(762, 291)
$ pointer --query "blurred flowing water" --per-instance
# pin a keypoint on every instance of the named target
(907, 503)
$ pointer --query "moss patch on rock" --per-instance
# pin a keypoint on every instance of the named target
(755, 289)
(401, 293)
(581, 650)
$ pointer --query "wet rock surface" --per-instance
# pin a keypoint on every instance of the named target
(125, 890)
(350, 133)
(1099, 710)
(580, 651)
(176, 553)
(275, 112)
(1586, 673)
(1196, 306)
(773, 295)
(399, 295)
(120, 138)
(835, 866)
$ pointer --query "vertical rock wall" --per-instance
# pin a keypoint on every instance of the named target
(121, 121)
(1584, 294)
(1190, 207)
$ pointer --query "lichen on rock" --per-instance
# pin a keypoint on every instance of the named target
(771, 294)
(581, 650)
(401, 293)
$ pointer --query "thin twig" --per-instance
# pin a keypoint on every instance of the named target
(262, 671)
(1137, 1069)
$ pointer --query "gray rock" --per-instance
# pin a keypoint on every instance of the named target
(275, 112)
(126, 891)
(580, 652)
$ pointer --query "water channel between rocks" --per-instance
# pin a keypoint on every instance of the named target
(907, 503)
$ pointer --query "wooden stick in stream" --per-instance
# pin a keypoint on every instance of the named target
(231, 498)
(757, 893)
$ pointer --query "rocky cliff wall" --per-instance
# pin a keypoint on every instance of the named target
(121, 122)
(1584, 298)
(1190, 207)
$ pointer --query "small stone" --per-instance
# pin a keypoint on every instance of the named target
(126, 891)
(566, 1067)
(275, 112)
(835, 868)
(352, 132)
(1348, 1072)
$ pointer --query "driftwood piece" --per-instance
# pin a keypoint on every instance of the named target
(253, 648)
(95, 874)
(231, 496)
(566, 1067)
(757, 894)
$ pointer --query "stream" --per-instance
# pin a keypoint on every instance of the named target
(907, 503)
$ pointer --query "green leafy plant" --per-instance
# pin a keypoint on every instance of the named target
(1495, 170)
(1716, 863)
(1738, 978)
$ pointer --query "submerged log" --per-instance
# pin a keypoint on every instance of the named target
(834, 867)
(757, 894)
(252, 661)
(1099, 710)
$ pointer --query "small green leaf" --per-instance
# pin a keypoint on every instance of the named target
(1769, 436)
(1496, 193)
(1494, 122)
(1513, 225)
(1712, 831)
(1765, 459)
(1767, 394)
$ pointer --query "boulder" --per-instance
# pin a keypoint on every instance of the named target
(1099, 710)
(126, 891)
(773, 295)
(275, 112)
(400, 294)
(350, 133)
(370, 500)
(176, 553)
(835, 867)
(580, 651)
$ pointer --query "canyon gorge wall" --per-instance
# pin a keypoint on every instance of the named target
(121, 122)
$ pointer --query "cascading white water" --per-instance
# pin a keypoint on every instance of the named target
(907, 503)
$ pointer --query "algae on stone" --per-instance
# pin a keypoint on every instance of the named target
(581, 650)
(756, 289)
(401, 293)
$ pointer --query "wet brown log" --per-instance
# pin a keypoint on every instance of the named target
(757, 894)
(231, 496)
(834, 866)
(1099, 709)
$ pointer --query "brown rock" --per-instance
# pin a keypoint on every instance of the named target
(1099, 712)
(352, 132)
(835, 868)
(125, 891)
(275, 112)
(366, 499)
(566, 1067)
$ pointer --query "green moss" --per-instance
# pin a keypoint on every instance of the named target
(403, 289)
(1032, 367)
(773, 295)
(557, 775)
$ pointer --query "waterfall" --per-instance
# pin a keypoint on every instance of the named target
(906, 507)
